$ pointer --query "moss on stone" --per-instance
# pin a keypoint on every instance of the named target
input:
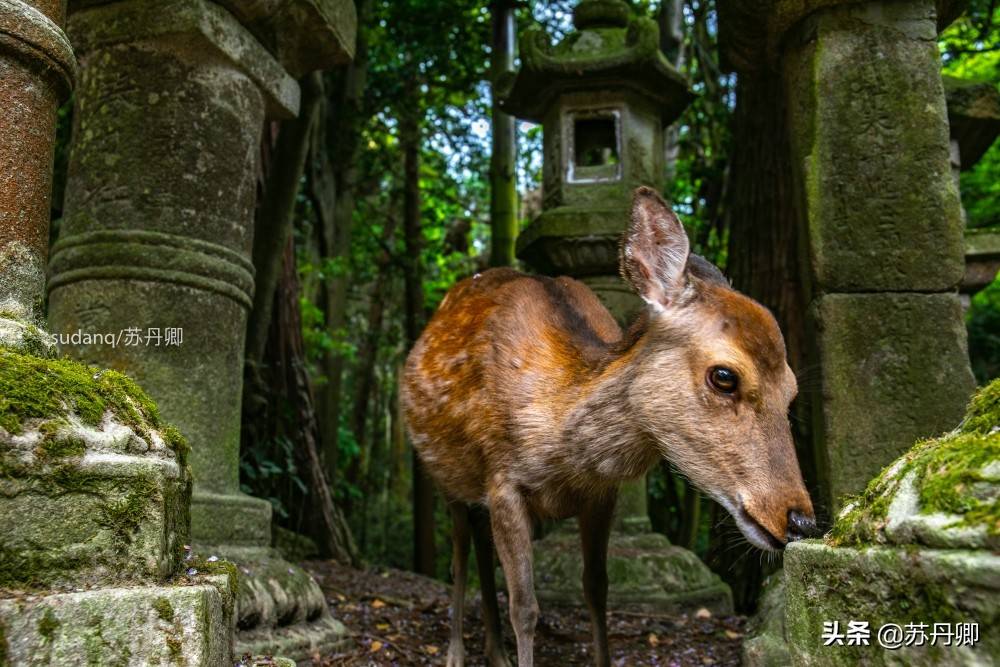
(983, 415)
(125, 515)
(36, 388)
(948, 471)
(203, 566)
(175, 647)
(47, 625)
(164, 609)
(62, 447)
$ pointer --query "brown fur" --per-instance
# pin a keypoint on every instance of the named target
(524, 396)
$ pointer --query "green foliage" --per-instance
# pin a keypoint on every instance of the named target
(983, 320)
(970, 49)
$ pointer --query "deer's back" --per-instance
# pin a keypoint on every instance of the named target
(493, 371)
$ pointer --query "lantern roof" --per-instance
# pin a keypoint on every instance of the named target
(611, 49)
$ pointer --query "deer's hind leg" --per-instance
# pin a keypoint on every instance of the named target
(511, 526)
(459, 569)
(482, 537)
(595, 529)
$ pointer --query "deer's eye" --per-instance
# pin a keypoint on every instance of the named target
(723, 379)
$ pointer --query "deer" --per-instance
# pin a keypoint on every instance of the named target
(526, 401)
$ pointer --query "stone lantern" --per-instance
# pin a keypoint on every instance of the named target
(604, 95)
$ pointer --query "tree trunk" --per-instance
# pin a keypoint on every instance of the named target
(764, 263)
(333, 184)
(330, 532)
(503, 183)
(423, 490)
(276, 212)
(364, 377)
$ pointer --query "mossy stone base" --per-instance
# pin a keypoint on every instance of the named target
(190, 625)
(895, 369)
(281, 610)
(765, 644)
(94, 522)
(645, 572)
(889, 585)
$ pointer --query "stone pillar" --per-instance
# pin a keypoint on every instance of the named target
(95, 487)
(156, 245)
(884, 233)
(36, 71)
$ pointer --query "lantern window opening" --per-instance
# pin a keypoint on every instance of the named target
(595, 153)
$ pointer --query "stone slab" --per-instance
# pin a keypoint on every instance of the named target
(233, 520)
(883, 585)
(869, 130)
(189, 625)
(894, 369)
(645, 573)
(108, 518)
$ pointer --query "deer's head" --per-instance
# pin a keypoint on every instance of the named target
(712, 386)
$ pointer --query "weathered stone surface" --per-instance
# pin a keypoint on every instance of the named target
(765, 644)
(894, 369)
(36, 73)
(234, 519)
(124, 627)
(157, 234)
(942, 493)
(199, 32)
(883, 585)
(871, 135)
(93, 487)
(307, 35)
(645, 572)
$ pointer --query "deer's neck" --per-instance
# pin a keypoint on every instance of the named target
(601, 432)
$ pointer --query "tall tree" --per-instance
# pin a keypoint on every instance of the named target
(503, 183)
(333, 180)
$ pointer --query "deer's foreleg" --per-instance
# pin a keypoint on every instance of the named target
(511, 525)
(459, 570)
(496, 656)
(595, 528)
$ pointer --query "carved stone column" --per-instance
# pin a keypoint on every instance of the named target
(157, 237)
(94, 487)
(36, 73)
(883, 257)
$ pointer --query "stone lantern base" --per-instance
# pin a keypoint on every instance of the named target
(645, 573)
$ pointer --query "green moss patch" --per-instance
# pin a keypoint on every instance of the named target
(35, 388)
(948, 474)
(164, 609)
(47, 625)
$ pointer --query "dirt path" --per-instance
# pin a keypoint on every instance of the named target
(399, 618)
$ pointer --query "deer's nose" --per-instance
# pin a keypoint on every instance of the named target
(800, 526)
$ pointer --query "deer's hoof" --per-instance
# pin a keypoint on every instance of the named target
(456, 656)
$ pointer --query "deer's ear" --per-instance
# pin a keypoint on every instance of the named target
(654, 251)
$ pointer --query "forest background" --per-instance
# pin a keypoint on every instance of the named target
(385, 184)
